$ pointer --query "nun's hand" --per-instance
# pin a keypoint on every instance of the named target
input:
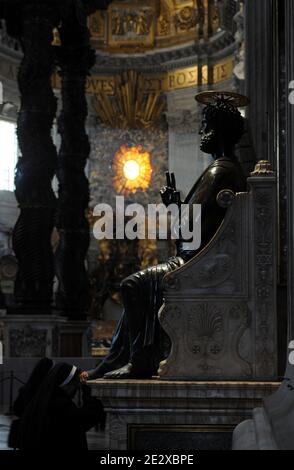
(84, 376)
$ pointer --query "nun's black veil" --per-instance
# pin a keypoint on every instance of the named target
(34, 419)
(30, 388)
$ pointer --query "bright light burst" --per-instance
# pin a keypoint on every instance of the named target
(132, 168)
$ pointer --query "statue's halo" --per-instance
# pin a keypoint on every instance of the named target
(213, 97)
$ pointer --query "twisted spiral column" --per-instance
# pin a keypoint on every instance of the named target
(36, 167)
(75, 60)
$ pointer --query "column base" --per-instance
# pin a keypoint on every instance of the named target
(31, 335)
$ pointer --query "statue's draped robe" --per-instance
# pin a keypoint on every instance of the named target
(139, 338)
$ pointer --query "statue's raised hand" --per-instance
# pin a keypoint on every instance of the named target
(169, 193)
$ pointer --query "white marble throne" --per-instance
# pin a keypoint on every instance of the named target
(220, 308)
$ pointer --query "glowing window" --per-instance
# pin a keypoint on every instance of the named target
(132, 168)
(8, 154)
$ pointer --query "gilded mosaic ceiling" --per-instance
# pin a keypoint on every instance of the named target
(137, 26)
(129, 27)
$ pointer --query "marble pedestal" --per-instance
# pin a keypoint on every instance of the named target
(166, 415)
(43, 335)
(271, 427)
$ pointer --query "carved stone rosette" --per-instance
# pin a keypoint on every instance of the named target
(75, 59)
(36, 167)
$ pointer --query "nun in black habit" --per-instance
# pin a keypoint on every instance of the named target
(28, 391)
(52, 420)
(25, 395)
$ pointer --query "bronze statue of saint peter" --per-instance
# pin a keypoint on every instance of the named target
(139, 343)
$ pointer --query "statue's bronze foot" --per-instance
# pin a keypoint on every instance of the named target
(97, 373)
(130, 371)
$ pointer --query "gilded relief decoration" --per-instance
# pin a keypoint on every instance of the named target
(134, 26)
(183, 77)
(132, 106)
(164, 24)
(97, 24)
(214, 12)
(186, 19)
(130, 25)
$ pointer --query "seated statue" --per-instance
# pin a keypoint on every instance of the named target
(139, 343)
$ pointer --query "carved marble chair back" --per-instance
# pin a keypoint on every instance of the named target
(220, 307)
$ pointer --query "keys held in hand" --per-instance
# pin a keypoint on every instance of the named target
(169, 193)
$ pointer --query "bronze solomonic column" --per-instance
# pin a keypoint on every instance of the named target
(75, 57)
(36, 167)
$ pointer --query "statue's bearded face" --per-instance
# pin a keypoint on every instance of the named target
(208, 142)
